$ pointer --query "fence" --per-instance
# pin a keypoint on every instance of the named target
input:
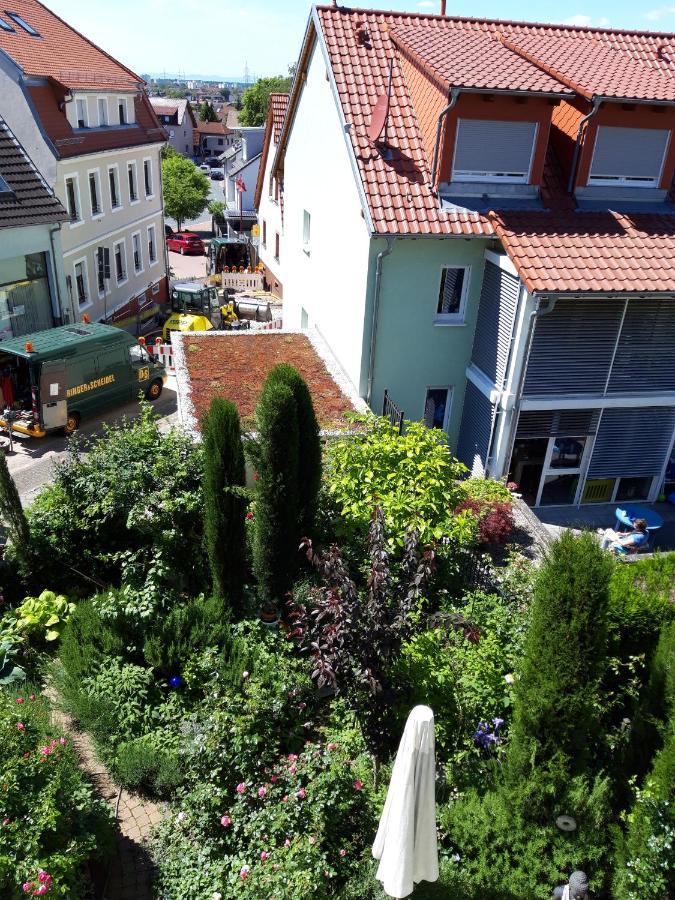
(391, 411)
(163, 353)
(243, 281)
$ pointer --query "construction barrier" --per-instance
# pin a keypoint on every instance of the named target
(163, 353)
(242, 281)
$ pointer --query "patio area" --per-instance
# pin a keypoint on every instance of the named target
(602, 515)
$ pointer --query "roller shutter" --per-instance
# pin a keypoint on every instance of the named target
(632, 442)
(496, 314)
(475, 430)
(565, 422)
(488, 148)
(645, 358)
(632, 153)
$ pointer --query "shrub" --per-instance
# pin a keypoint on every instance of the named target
(412, 477)
(224, 503)
(495, 519)
(49, 818)
(12, 514)
(309, 446)
(41, 619)
(276, 532)
(556, 717)
(148, 765)
(486, 490)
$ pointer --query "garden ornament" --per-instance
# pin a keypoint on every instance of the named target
(577, 889)
(405, 843)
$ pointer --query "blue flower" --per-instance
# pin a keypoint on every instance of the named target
(497, 723)
(176, 681)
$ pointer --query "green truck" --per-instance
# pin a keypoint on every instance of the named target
(52, 379)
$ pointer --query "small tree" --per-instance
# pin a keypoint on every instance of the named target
(217, 210)
(256, 99)
(557, 709)
(207, 113)
(309, 446)
(11, 512)
(224, 501)
(277, 532)
(186, 189)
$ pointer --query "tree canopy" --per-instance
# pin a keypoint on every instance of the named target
(186, 189)
(256, 99)
(207, 113)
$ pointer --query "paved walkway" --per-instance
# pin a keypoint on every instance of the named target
(130, 869)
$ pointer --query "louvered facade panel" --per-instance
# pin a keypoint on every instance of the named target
(572, 348)
(475, 430)
(565, 422)
(496, 314)
(632, 442)
(645, 358)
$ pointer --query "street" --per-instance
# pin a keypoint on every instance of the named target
(32, 460)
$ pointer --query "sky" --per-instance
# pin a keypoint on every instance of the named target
(222, 37)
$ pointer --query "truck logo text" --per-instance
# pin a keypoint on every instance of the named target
(90, 385)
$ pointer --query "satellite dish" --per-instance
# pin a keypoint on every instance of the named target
(378, 118)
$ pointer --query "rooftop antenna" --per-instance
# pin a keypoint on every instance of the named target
(379, 118)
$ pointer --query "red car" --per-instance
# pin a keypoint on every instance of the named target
(184, 242)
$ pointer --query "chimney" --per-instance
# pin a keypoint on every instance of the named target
(442, 7)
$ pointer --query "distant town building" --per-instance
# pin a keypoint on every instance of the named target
(267, 198)
(179, 120)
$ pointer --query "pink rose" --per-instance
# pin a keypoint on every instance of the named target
(225, 821)
(19, 699)
(241, 788)
(27, 886)
(284, 799)
(26, 755)
(41, 890)
(45, 751)
(332, 747)
(292, 756)
(6, 821)
(62, 740)
(264, 855)
(292, 770)
(358, 784)
(32, 697)
(343, 852)
(274, 779)
(300, 794)
(43, 876)
(244, 872)
(302, 705)
(287, 843)
(261, 792)
(20, 726)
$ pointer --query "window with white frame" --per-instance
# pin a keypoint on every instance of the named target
(136, 247)
(452, 295)
(120, 262)
(498, 151)
(628, 157)
(306, 230)
(152, 244)
(264, 233)
(95, 193)
(133, 188)
(147, 176)
(102, 110)
(437, 403)
(73, 198)
(81, 112)
(81, 282)
(277, 243)
(114, 188)
(100, 259)
(122, 110)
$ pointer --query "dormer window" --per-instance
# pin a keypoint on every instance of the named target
(122, 109)
(81, 109)
(628, 157)
(102, 111)
(487, 150)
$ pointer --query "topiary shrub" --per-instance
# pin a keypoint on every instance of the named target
(276, 525)
(557, 710)
(224, 501)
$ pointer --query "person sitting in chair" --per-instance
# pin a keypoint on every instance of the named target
(625, 542)
(576, 889)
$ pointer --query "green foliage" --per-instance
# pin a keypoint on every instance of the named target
(91, 523)
(40, 619)
(640, 601)
(411, 477)
(277, 532)
(49, 817)
(207, 113)
(216, 208)
(309, 446)
(186, 189)
(188, 627)
(556, 722)
(224, 500)
(12, 514)
(486, 489)
(148, 764)
(10, 671)
(256, 99)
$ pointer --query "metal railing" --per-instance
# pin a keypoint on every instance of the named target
(391, 411)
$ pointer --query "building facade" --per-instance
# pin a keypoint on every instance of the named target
(267, 200)
(179, 122)
(484, 231)
(32, 282)
(89, 127)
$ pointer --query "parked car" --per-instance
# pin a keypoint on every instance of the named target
(184, 242)
(204, 168)
(168, 231)
(217, 175)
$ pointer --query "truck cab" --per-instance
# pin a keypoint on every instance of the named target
(193, 308)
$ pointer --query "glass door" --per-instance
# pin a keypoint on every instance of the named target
(562, 470)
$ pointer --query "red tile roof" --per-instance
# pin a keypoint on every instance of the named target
(276, 112)
(359, 46)
(579, 252)
(472, 59)
(594, 68)
(216, 128)
(61, 52)
(278, 105)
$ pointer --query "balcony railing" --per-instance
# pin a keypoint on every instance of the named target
(391, 411)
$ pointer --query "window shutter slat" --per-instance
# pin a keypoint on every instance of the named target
(632, 442)
(628, 152)
(491, 146)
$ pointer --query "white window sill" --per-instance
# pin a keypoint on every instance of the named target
(96, 216)
(149, 196)
(122, 282)
(446, 321)
(77, 223)
(135, 202)
(153, 262)
(117, 208)
(82, 306)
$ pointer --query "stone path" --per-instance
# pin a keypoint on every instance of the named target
(129, 874)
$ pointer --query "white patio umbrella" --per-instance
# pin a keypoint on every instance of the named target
(405, 842)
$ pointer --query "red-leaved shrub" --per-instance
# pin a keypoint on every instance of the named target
(495, 520)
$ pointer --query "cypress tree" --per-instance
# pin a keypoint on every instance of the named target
(277, 532)
(556, 714)
(224, 503)
(13, 515)
(309, 446)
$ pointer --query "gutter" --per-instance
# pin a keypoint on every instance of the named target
(597, 101)
(454, 94)
(55, 273)
(390, 239)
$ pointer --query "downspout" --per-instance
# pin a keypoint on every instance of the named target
(454, 94)
(577, 146)
(376, 308)
(55, 275)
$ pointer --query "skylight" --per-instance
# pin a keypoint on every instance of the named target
(22, 22)
(5, 189)
(5, 26)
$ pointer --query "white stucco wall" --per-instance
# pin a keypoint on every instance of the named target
(16, 109)
(269, 220)
(328, 279)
